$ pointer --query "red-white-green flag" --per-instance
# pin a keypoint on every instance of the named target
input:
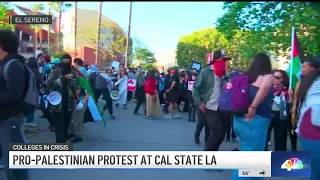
(294, 69)
(92, 104)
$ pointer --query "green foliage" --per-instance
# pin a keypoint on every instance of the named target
(195, 46)
(57, 54)
(112, 41)
(4, 10)
(144, 57)
(274, 22)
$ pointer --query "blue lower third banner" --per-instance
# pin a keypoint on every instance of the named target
(290, 164)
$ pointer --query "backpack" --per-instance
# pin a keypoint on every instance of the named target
(30, 93)
(234, 97)
(101, 82)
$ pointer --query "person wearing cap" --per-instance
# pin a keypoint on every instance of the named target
(206, 91)
(65, 81)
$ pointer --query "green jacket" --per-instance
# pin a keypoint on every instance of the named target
(55, 84)
(203, 86)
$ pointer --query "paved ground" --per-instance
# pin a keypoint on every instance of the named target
(133, 133)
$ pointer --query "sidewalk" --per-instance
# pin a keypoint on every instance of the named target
(134, 133)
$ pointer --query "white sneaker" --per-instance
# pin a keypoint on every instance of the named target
(32, 124)
(269, 143)
(167, 117)
(150, 118)
(177, 116)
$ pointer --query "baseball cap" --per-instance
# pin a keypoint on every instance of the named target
(220, 54)
(55, 61)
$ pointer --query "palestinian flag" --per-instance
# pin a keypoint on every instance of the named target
(92, 104)
(294, 69)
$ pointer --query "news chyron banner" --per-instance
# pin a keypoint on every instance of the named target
(248, 163)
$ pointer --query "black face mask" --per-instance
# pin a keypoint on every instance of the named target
(65, 68)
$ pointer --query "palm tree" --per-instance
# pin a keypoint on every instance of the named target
(75, 27)
(99, 28)
(60, 7)
(37, 28)
(49, 26)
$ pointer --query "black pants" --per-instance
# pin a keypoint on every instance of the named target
(161, 98)
(109, 102)
(280, 133)
(192, 112)
(202, 123)
(129, 95)
(97, 94)
(293, 138)
(138, 105)
(62, 122)
(216, 123)
(228, 118)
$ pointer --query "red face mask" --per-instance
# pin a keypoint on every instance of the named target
(219, 68)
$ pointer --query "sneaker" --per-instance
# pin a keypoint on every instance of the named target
(32, 124)
(112, 117)
(76, 140)
(177, 116)
(156, 117)
(167, 117)
(137, 113)
(150, 118)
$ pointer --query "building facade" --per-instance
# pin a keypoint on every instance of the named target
(26, 34)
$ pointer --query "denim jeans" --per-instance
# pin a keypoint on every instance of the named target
(30, 117)
(10, 132)
(252, 135)
(313, 146)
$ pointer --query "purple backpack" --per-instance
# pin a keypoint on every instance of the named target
(234, 96)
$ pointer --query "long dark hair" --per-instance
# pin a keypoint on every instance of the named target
(284, 76)
(151, 74)
(261, 65)
(32, 62)
(306, 83)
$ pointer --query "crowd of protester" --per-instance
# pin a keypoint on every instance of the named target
(160, 93)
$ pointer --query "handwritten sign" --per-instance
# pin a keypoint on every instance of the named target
(190, 85)
(132, 85)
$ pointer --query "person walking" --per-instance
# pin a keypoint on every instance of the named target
(12, 92)
(139, 94)
(152, 100)
(252, 128)
(206, 91)
(65, 81)
(106, 93)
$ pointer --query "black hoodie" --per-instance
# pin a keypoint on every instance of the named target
(12, 90)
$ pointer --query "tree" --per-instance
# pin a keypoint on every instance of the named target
(59, 7)
(195, 46)
(273, 21)
(36, 27)
(4, 11)
(144, 57)
(112, 41)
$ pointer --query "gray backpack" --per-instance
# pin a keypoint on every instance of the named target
(30, 95)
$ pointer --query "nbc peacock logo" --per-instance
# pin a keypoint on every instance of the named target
(293, 163)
